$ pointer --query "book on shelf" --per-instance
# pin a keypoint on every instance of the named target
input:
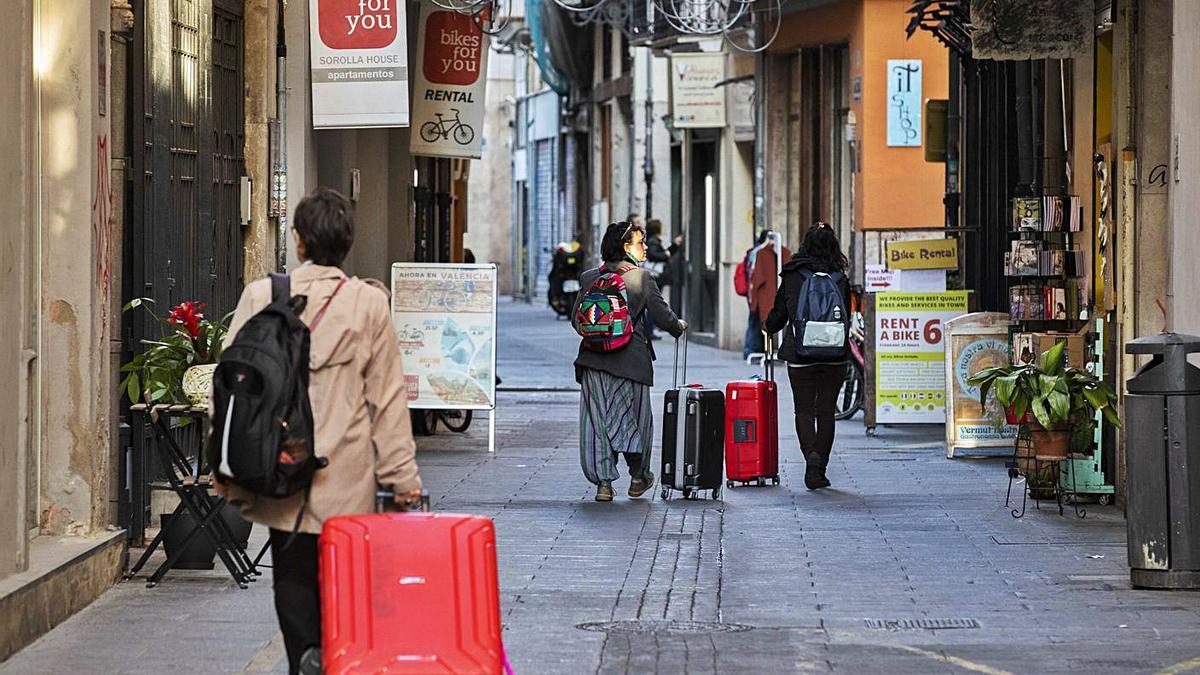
(1025, 258)
(1047, 214)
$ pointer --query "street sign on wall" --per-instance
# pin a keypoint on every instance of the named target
(449, 85)
(445, 321)
(359, 63)
(910, 376)
(696, 101)
(904, 103)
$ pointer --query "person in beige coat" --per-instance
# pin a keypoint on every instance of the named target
(360, 414)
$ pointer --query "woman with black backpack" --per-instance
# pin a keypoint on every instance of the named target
(814, 300)
(615, 367)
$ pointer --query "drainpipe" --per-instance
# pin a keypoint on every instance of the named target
(279, 203)
(648, 161)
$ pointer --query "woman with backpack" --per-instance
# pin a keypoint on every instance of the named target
(615, 367)
(813, 303)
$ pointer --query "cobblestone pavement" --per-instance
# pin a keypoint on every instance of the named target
(773, 579)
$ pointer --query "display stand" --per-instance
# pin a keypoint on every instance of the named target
(1019, 472)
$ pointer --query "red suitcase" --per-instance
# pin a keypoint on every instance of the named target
(410, 593)
(752, 428)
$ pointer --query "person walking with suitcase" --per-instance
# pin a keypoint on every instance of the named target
(615, 364)
(813, 304)
(360, 421)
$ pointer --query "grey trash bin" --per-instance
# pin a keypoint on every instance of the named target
(1162, 432)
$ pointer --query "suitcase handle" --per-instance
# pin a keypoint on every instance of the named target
(769, 357)
(385, 502)
(675, 368)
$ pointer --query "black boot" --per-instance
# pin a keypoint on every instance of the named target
(814, 473)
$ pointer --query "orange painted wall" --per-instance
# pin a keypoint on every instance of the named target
(895, 187)
(899, 188)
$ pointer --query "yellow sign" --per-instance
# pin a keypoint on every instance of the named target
(931, 254)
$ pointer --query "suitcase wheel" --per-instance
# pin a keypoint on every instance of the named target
(688, 494)
(716, 494)
(665, 493)
(775, 480)
(762, 482)
(729, 484)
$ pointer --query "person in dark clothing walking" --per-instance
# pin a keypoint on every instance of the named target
(656, 263)
(815, 383)
(615, 416)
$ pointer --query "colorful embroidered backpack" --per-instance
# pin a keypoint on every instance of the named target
(602, 319)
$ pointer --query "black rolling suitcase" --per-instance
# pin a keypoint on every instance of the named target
(693, 448)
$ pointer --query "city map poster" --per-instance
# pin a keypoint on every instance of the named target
(445, 320)
(910, 373)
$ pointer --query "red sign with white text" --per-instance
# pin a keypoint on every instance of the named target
(358, 24)
(453, 49)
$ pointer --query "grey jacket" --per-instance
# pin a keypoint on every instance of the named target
(635, 360)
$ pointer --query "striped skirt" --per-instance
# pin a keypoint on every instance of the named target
(614, 417)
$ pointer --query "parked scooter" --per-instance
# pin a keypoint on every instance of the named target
(565, 270)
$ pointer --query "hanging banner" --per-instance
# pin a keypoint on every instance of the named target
(910, 375)
(904, 103)
(445, 320)
(359, 63)
(696, 101)
(449, 86)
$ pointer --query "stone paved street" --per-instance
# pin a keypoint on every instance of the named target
(773, 579)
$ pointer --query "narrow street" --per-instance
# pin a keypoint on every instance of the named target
(853, 579)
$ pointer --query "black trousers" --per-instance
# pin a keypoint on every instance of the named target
(297, 595)
(814, 393)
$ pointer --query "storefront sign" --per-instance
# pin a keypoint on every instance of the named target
(449, 86)
(881, 279)
(1031, 29)
(359, 62)
(695, 100)
(974, 342)
(931, 254)
(910, 384)
(445, 320)
(904, 103)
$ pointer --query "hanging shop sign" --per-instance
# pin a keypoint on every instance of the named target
(927, 254)
(904, 103)
(974, 342)
(359, 63)
(445, 320)
(910, 379)
(1031, 29)
(449, 85)
(696, 101)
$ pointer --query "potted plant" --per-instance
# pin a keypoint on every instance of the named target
(1042, 483)
(179, 365)
(1050, 396)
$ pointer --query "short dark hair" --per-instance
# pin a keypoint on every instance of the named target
(325, 222)
(612, 247)
(654, 228)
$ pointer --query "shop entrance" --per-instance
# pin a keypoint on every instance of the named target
(704, 231)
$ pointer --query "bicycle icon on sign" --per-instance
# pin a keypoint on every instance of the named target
(463, 133)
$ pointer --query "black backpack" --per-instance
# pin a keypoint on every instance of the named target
(822, 322)
(262, 423)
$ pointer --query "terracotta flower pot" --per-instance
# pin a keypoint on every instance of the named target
(1053, 443)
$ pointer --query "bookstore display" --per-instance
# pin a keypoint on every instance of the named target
(1043, 262)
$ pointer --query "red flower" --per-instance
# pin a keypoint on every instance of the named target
(188, 316)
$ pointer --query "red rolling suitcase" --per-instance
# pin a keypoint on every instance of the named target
(752, 428)
(410, 593)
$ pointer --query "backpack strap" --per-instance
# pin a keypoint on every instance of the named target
(281, 288)
(321, 312)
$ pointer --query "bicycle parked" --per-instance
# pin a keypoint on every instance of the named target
(850, 398)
